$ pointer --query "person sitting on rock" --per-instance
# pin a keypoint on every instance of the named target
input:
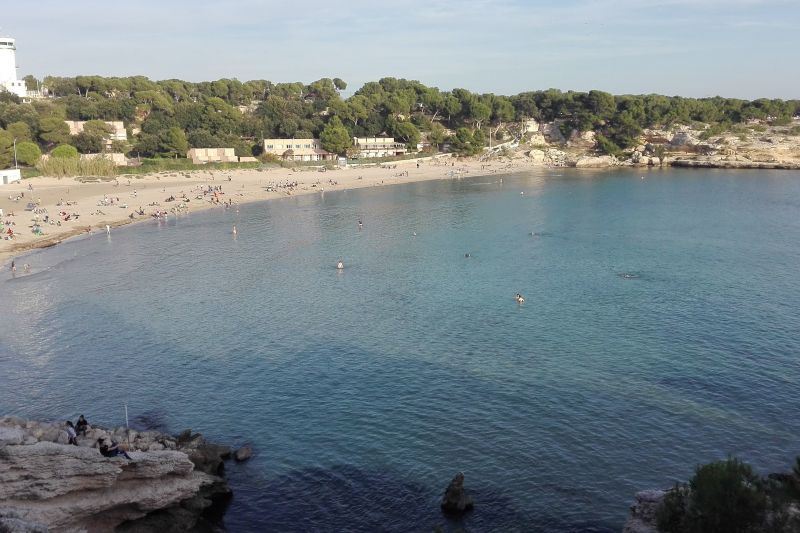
(71, 433)
(113, 450)
(81, 426)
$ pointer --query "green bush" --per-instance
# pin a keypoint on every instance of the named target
(671, 515)
(607, 146)
(726, 497)
(722, 497)
(28, 153)
(64, 151)
(784, 120)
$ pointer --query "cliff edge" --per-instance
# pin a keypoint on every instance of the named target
(47, 484)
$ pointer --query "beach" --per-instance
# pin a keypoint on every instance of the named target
(113, 202)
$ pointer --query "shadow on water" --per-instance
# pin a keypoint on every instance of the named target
(150, 421)
(347, 498)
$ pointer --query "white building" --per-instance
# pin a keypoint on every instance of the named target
(9, 176)
(378, 147)
(298, 149)
(8, 68)
(117, 130)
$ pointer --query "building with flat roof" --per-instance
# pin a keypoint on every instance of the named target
(118, 132)
(201, 156)
(8, 68)
(378, 147)
(298, 149)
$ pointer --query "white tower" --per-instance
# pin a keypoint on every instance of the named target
(8, 68)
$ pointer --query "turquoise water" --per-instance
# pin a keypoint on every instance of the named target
(660, 330)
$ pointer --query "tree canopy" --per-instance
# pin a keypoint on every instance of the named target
(238, 114)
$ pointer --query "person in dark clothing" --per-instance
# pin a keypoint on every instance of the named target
(112, 450)
(81, 426)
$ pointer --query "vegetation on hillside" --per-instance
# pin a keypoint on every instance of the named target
(170, 116)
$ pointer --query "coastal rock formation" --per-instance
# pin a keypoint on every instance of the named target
(243, 454)
(45, 482)
(683, 138)
(536, 156)
(455, 500)
(552, 133)
(602, 161)
(643, 512)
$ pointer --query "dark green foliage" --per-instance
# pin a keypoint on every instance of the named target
(465, 143)
(607, 146)
(28, 153)
(335, 138)
(671, 516)
(722, 497)
(212, 111)
(87, 143)
(726, 497)
(65, 151)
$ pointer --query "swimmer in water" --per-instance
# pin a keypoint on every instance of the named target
(414, 234)
(340, 265)
(234, 230)
(360, 224)
(519, 298)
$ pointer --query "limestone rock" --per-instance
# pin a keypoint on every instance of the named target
(596, 162)
(552, 133)
(643, 512)
(683, 138)
(11, 435)
(455, 500)
(537, 156)
(243, 454)
(10, 522)
(62, 487)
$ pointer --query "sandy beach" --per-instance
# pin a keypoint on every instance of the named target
(66, 207)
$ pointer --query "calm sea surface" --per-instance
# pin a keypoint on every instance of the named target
(661, 329)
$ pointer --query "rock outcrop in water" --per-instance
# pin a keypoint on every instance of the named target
(455, 500)
(643, 512)
(47, 484)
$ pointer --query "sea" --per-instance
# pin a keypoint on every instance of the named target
(660, 330)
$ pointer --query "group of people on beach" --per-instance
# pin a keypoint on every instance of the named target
(106, 446)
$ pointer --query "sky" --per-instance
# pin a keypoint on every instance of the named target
(733, 48)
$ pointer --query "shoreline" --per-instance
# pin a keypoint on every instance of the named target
(88, 199)
(116, 202)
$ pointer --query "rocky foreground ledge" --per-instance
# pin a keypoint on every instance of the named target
(173, 483)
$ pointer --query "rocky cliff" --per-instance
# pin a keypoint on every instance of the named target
(47, 484)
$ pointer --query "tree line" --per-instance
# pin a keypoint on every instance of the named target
(170, 116)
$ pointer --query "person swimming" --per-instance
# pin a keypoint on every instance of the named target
(234, 230)
(340, 265)
(519, 298)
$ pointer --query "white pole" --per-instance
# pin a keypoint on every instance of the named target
(15, 153)
(127, 427)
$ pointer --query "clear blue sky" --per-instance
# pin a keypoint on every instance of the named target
(736, 48)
